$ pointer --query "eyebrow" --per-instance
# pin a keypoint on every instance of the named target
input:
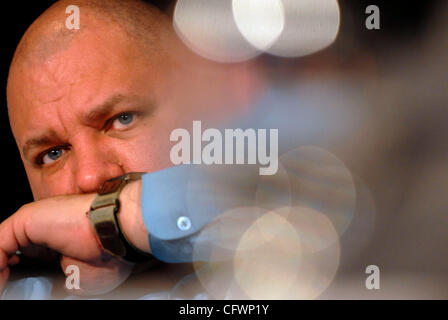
(93, 116)
(103, 110)
(48, 138)
(99, 112)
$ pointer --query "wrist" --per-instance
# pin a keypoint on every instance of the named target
(130, 216)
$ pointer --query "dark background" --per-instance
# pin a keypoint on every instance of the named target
(401, 22)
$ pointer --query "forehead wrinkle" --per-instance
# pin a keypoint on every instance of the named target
(59, 111)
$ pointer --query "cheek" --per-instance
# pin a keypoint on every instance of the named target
(147, 153)
(45, 186)
(49, 187)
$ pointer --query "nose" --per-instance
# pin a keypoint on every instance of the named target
(95, 164)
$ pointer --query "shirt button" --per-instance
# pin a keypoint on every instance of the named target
(183, 223)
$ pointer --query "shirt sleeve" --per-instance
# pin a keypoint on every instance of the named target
(178, 202)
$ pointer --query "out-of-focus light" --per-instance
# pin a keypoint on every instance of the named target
(274, 191)
(208, 28)
(320, 253)
(310, 26)
(269, 270)
(315, 229)
(362, 228)
(259, 21)
(289, 253)
(321, 181)
(238, 30)
(228, 228)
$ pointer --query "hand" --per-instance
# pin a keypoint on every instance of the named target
(61, 224)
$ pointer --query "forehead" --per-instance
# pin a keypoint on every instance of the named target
(92, 68)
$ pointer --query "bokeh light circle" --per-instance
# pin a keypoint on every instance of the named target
(268, 271)
(310, 26)
(282, 255)
(261, 22)
(321, 181)
(208, 28)
(274, 191)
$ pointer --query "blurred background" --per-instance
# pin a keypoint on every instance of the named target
(372, 102)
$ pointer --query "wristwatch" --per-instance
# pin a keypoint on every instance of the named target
(103, 214)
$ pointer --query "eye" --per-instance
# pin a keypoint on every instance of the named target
(123, 120)
(51, 156)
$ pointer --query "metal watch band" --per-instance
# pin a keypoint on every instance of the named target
(103, 215)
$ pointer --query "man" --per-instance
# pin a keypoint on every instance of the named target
(92, 104)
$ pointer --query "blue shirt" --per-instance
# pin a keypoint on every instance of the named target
(179, 202)
(311, 113)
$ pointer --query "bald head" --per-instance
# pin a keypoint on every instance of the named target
(68, 90)
(138, 20)
(144, 28)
